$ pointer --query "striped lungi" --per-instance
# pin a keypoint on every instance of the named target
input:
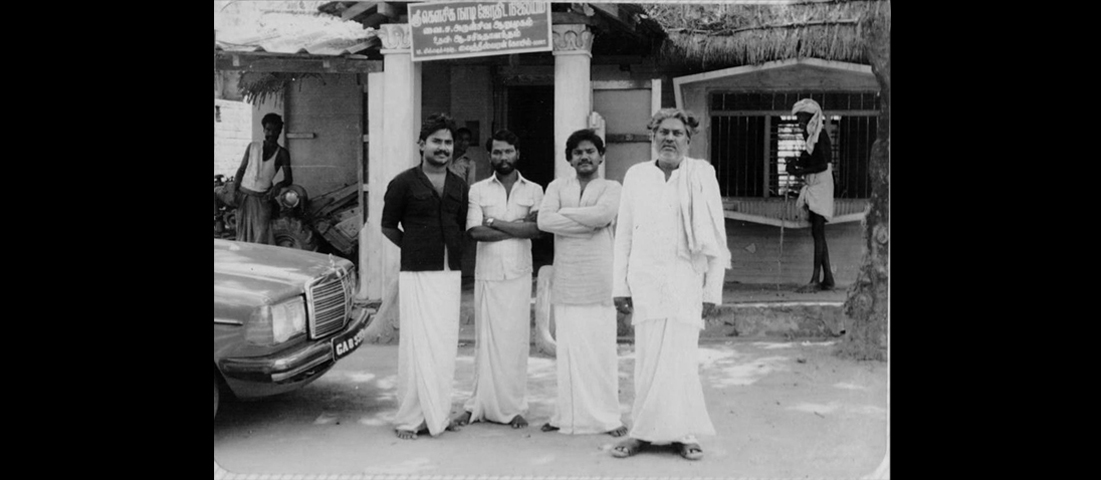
(254, 217)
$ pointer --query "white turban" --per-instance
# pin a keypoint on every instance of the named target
(814, 127)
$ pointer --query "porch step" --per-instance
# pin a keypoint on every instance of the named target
(780, 319)
(799, 319)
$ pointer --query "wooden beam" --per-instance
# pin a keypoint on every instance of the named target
(783, 113)
(391, 10)
(568, 18)
(618, 17)
(745, 217)
(268, 62)
(621, 84)
(608, 8)
(747, 69)
(357, 9)
(628, 138)
(374, 20)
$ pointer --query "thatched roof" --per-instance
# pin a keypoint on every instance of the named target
(721, 35)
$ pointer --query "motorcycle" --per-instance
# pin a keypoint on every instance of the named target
(290, 221)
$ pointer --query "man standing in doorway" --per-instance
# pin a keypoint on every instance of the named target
(670, 259)
(501, 218)
(580, 212)
(429, 203)
(463, 165)
(255, 192)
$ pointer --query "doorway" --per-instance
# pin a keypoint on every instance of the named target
(531, 117)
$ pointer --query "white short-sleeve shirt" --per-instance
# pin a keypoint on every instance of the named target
(506, 259)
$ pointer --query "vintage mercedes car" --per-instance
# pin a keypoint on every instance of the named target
(282, 318)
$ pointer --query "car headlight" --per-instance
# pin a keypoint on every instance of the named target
(272, 324)
(353, 282)
(289, 199)
(288, 319)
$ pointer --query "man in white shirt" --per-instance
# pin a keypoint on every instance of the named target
(670, 258)
(580, 212)
(501, 218)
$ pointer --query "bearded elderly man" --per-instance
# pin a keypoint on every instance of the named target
(580, 211)
(501, 218)
(670, 258)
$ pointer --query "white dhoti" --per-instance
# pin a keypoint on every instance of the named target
(588, 373)
(817, 194)
(427, 347)
(669, 404)
(502, 325)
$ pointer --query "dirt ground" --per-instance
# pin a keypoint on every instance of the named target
(781, 410)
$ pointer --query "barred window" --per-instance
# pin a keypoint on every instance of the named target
(754, 137)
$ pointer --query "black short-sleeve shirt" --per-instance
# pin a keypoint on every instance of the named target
(428, 222)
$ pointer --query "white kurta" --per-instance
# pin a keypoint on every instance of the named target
(651, 266)
(583, 238)
(427, 346)
(581, 292)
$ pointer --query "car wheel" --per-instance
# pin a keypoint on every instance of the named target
(216, 396)
(291, 233)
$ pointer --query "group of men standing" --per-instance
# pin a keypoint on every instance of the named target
(654, 247)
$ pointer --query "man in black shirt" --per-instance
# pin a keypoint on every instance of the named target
(429, 202)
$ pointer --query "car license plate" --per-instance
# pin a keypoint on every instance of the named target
(347, 342)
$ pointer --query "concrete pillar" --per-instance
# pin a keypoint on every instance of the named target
(394, 111)
(597, 123)
(370, 238)
(573, 94)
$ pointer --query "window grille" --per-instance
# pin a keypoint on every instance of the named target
(754, 137)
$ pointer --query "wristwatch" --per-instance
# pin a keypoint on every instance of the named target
(489, 223)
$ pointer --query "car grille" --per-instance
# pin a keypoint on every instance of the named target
(329, 303)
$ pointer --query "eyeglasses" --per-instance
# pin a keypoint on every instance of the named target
(664, 132)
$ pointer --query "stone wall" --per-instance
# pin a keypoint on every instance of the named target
(232, 134)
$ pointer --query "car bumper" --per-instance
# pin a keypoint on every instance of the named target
(271, 375)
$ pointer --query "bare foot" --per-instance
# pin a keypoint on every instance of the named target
(518, 422)
(454, 426)
(628, 447)
(547, 427)
(461, 420)
(411, 434)
(810, 288)
(619, 432)
(691, 451)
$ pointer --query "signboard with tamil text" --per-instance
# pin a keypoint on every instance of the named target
(443, 31)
